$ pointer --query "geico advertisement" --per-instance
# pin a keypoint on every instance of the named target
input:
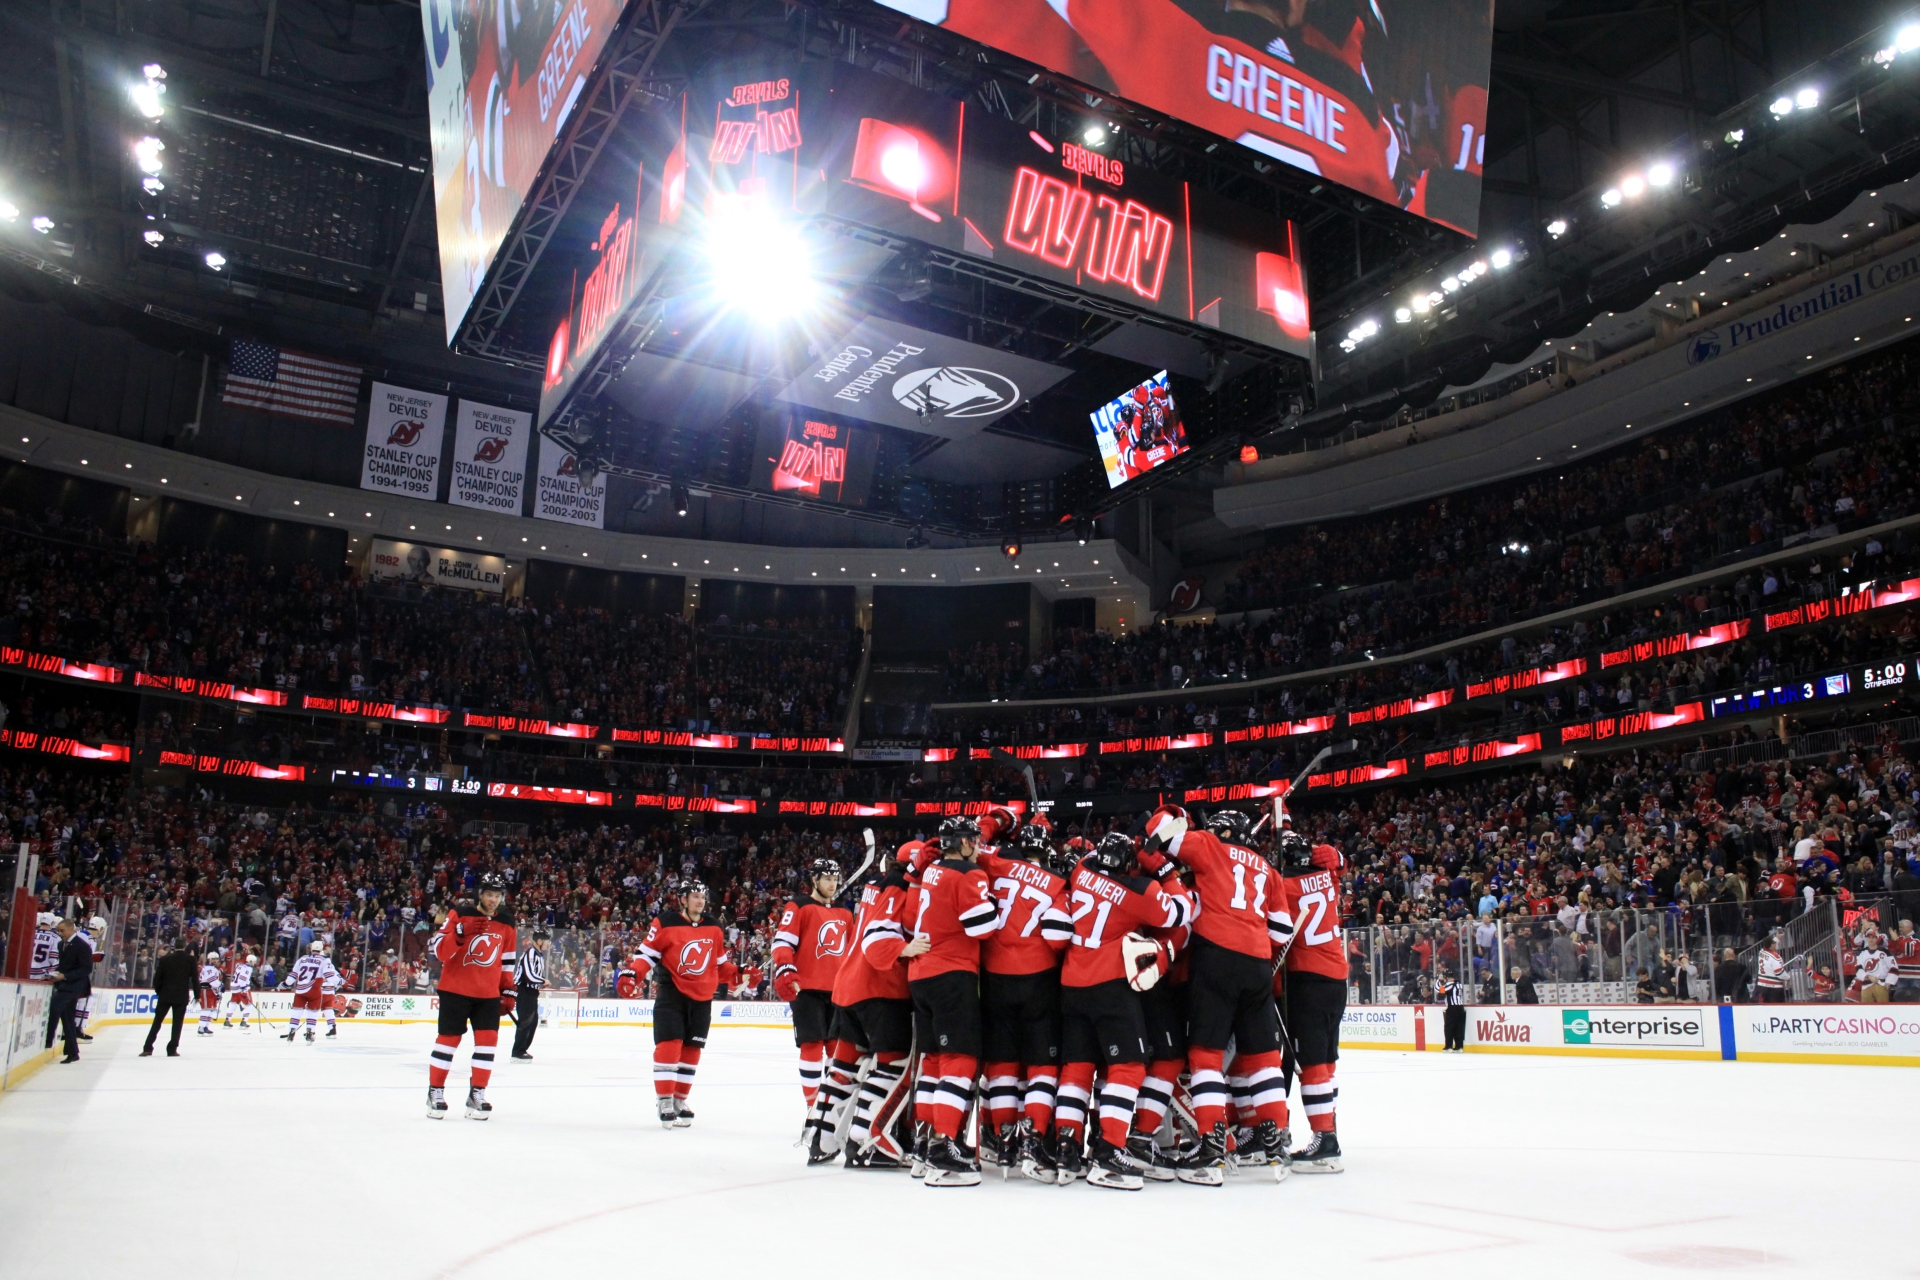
(1799, 1029)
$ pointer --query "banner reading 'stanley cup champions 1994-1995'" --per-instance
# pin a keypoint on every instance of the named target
(403, 442)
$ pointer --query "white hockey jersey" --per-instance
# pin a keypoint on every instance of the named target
(241, 979)
(312, 974)
(210, 977)
(46, 954)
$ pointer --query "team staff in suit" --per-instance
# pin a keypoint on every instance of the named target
(71, 972)
(530, 977)
(176, 980)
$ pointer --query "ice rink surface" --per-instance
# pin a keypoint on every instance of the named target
(250, 1157)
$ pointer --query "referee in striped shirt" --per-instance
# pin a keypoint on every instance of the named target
(1453, 993)
(531, 976)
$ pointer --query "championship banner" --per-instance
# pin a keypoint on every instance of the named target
(561, 496)
(403, 442)
(489, 458)
(427, 566)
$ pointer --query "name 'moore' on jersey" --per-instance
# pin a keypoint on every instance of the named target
(953, 909)
(811, 942)
(693, 956)
(1242, 905)
(1106, 909)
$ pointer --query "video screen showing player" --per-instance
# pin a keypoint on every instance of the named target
(1388, 97)
(1139, 431)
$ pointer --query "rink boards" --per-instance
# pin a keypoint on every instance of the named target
(1866, 1035)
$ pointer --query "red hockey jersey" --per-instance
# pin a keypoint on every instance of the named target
(1241, 904)
(1108, 908)
(1029, 896)
(864, 976)
(693, 956)
(811, 943)
(954, 909)
(476, 955)
(1319, 944)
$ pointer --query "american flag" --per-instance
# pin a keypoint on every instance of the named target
(286, 382)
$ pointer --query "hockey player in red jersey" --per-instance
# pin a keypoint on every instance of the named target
(951, 911)
(888, 1016)
(809, 946)
(1243, 922)
(872, 1022)
(1102, 1024)
(1314, 986)
(1020, 999)
(475, 948)
(692, 956)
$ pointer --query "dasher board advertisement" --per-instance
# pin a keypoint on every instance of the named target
(503, 77)
(429, 566)
(1387, 97)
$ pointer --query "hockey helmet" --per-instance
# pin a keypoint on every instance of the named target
(97, 925)
(493, 880)
(822, 867)
(1230, 825)
(1113, 856)
(1031, 844)
(46, 920)
(213, 957)
(956, 831)
(318, 948)
(692, 886)
(252, 958)
(1293, 853)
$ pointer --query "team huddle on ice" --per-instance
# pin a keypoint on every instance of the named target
(1121, 1001)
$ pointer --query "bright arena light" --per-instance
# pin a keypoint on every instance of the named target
(216, 260)
(1781, 106)
(1908, 38)
(9, 210)
(1633, 186)
(1503, 258)
(1557, 228)
(759, 262)
(1402, 314)
(146, 99)
(153, 238)
(1661, 174)
(42, 223)
(146, 154)
(1610, 197)
(1807, 99)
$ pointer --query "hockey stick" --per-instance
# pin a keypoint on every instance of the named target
(1003, 756)
(866, 863)
(1331, 749)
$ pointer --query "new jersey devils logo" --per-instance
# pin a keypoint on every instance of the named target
(832, 939)
(696, 958)
(569, 466)
(405, 433)
(483, 950)
(490, 449)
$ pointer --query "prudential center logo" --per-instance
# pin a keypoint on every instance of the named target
(950, 392)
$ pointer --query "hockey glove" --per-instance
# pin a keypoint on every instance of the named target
(786, 985)
(1165, 825)
(1155, 863)
(506, 1003)
(923, 857)
(1145, 961)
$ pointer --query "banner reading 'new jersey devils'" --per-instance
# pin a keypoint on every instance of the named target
(489, 458)
(404, 430)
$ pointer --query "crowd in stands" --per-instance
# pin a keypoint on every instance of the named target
(298, 628)
(1586, 873)
(1816, 459)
